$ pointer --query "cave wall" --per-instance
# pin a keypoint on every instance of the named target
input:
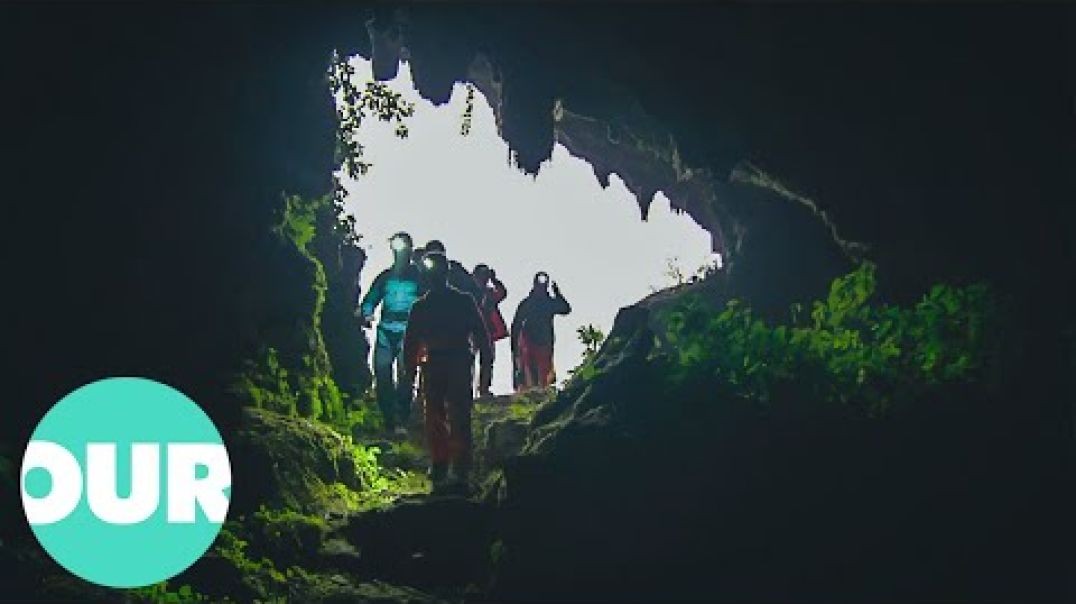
(146, 150)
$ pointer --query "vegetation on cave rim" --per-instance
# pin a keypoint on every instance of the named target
(316, 373)
(354, 104)
(305, 385)
(847, 349)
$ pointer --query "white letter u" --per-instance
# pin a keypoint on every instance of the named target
(101, 482)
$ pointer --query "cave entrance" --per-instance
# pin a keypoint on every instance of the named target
(440, 184)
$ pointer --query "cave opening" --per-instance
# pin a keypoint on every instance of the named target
(450, 178)
(842, 431)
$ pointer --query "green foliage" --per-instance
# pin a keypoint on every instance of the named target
(160, 593)
(521, 408)
(354, 104)
(304, 383)
(299, 224)
(368, 468)
(591, 337)
(265, 384)
(285, 536)
(468, 111)
(410, 451)
(678, 275)
(258, 574)
(384, 488)
(521, 411)
(293, 372)
(380, 486)
(848, 350)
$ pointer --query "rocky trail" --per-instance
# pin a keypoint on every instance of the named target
(396, 534)
(431, 541)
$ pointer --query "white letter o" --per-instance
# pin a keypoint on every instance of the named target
(66, 482)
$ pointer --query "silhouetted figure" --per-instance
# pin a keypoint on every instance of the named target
(458, 277)
(491, 293)
(444, 329)
(532, 334)
(396, 290)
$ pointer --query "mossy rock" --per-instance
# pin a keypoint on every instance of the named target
(336, 587)
(290, 462)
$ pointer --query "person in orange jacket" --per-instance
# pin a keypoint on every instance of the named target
(443, 330)
(491, 293)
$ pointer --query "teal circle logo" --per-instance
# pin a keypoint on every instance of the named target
(126, 482)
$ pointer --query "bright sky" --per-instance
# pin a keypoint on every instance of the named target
(437, 184)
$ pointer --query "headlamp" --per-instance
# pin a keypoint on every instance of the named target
(398, 243)
(428, 263)
(543, 279)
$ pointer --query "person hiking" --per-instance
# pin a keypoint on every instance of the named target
(492, 293)
(444, 329)
(396, 290)
(532, 334)
(458, 277)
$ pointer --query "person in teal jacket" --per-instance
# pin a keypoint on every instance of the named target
(396, 290)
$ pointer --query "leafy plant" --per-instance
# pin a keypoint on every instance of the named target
(161, 593)
(678, 275)
(591, 337)
(232, 548)
(468, 111)
(847, 350)
(354, 104)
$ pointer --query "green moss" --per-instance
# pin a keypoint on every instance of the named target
(162, 593)
(259, 576)
(496, 551)
(392, 485)
(285, 536)
(293, 372)
(409, 450)
(266, 384)
(520, 407)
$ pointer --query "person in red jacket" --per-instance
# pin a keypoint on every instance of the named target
(443, 329)
(491, 293)
(532, 334)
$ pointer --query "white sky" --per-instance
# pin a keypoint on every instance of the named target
(437, 184)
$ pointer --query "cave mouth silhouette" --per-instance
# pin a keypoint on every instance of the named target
(438, 183)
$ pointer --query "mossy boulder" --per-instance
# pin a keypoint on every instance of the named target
(295, 463)
(500, 426)
(338, 587)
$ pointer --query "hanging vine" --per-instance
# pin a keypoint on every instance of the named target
(354, 104)
(468, 111)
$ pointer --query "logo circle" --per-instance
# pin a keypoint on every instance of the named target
(125, 482)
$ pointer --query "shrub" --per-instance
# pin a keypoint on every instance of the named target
(847, 350)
